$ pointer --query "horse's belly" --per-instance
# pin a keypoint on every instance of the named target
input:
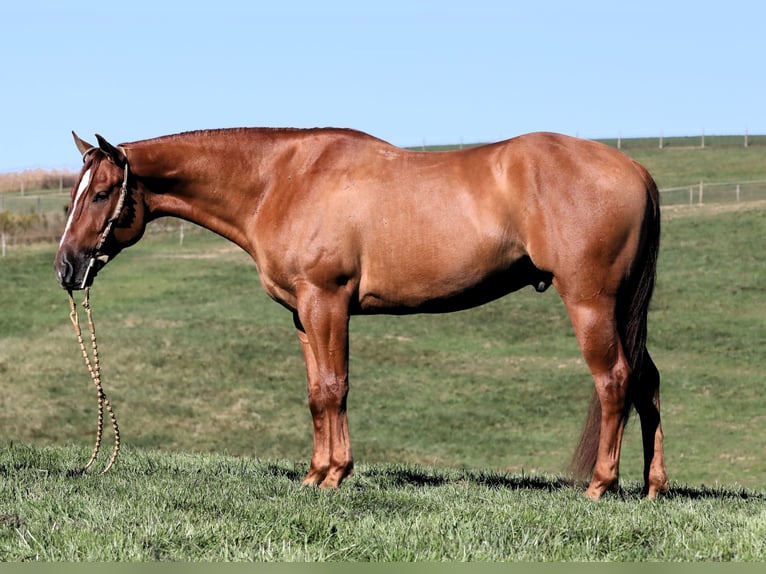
(440, 255)
(420, 287)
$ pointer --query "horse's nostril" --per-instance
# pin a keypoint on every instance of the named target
(65, 271)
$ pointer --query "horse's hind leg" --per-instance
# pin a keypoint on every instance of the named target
(646, 398)
(596, 331)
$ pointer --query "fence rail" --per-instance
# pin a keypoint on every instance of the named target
(714, 192)
(687, 142)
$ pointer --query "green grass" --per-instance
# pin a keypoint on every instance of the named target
(35, 201)
(214, 507)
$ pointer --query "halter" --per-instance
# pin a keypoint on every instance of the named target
(97, 255)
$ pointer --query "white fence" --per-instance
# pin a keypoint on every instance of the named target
(714, 192)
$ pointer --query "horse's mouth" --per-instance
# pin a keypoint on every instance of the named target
(70, 279)
(95, 264)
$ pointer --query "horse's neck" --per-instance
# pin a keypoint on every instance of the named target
(204, 185)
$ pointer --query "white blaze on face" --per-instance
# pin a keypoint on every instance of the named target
(80, 190)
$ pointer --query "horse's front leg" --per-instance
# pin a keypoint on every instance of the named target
(322, 323)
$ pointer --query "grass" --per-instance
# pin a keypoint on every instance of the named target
(462, 423)
(213, 507)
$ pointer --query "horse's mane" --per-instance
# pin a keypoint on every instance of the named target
(266, 131)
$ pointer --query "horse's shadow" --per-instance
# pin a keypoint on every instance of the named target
(404, 475)
(424, 477)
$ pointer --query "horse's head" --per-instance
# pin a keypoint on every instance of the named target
(106, 214)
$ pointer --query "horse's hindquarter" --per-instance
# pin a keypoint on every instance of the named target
(585, 205)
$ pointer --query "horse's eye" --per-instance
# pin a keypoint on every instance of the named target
(101, 195)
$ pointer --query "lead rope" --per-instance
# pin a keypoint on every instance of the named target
(94, 368)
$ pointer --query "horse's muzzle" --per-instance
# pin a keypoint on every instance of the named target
(79, 273)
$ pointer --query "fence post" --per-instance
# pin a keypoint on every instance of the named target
(701, 188)
(738, 192)
(2, 241)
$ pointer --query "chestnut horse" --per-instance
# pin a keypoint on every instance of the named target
(340, 223)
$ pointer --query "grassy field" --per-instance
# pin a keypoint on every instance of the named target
(212, 507)
(462, 424)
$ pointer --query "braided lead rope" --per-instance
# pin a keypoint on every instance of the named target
(94, 368)
(76, 322)
(103, 399)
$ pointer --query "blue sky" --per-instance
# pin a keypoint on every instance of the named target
(433, 71)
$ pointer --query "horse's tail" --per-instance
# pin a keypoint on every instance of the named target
(631, 314)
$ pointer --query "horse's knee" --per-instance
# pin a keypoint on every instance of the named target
(328, 394)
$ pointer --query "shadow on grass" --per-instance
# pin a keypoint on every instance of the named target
(425, 477)
(47, 462)
(291, 473)
(721, 492)
(399, 476)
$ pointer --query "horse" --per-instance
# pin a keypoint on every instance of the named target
(340, 223)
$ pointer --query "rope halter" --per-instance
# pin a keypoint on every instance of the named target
(97, 254)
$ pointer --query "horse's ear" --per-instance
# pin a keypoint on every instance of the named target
(115, 153)
(81, 144)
